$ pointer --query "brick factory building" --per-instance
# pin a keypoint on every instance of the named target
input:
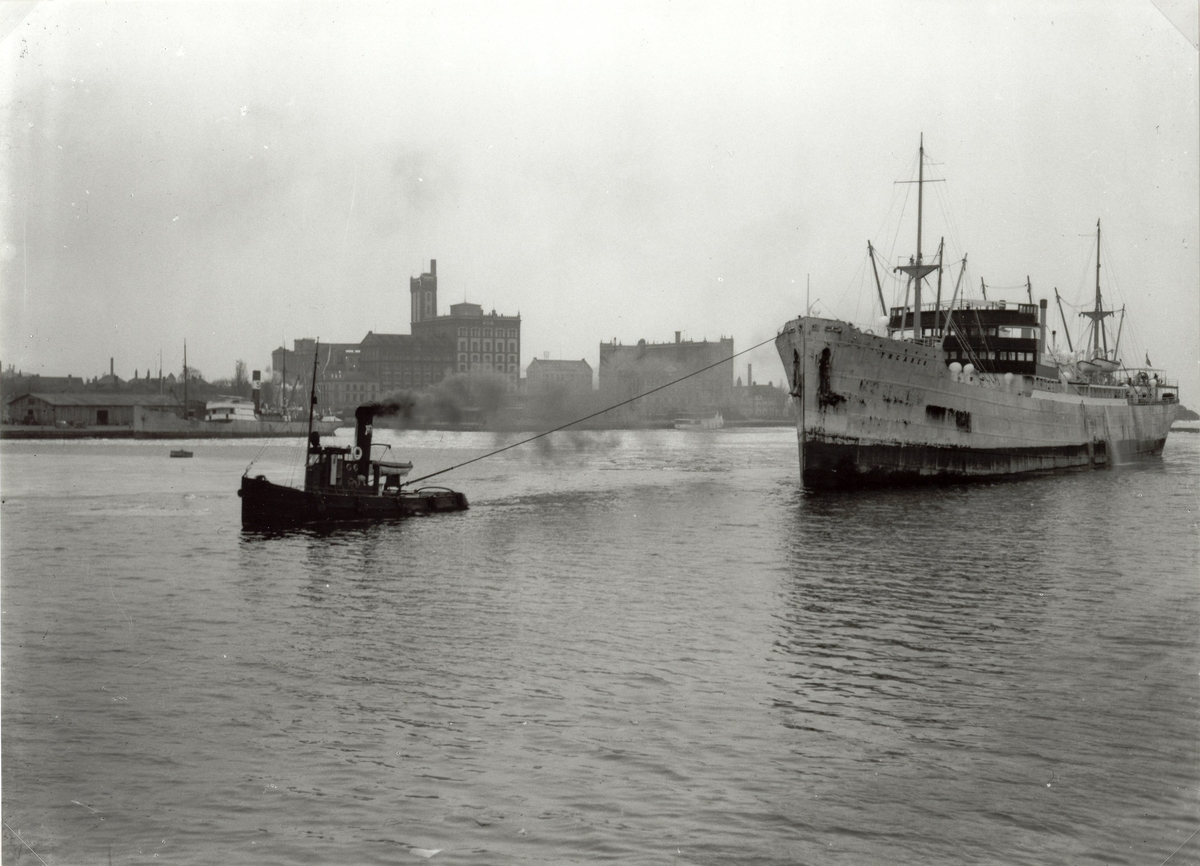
(467, 340)
(488, 342)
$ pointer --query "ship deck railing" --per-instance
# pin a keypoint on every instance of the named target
(962, 304)
(1140, 394)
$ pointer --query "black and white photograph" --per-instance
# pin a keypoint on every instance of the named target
(523, 432)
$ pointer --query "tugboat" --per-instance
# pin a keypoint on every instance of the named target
(343, 484)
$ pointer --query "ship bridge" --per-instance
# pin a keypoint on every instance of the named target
(994, 336)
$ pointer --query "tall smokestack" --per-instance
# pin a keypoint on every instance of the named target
(677, 336)
(433, 267)
(749, 374)
(256, 377)
(1042, 338)
(363, 416)
(110, 367)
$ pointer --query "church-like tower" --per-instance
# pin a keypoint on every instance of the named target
(424, 294)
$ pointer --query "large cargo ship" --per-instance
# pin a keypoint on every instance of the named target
(965, 390)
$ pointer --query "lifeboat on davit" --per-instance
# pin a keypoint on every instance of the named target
(1097, 364)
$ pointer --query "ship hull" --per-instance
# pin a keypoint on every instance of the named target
(161, 425)
(871, 410)
(266, 505)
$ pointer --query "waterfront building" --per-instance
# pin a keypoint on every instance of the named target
(88, 409)
(545, 376)
(406, 361)
(481, 342)
(626, 371)
(464, 341)
(14, 382)
(757, 402)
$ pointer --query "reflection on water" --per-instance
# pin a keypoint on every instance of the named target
(955, 656)
(651, 647)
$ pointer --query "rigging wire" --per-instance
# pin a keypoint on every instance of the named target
(592, 415)
(943, 199)
(891, 256)
(861, 276)
(1164, 863)
(254, 459)
(1131, 338)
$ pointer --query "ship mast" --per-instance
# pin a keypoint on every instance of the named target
(1097, 315)
(920, 208)
(1096, 327)
(1066, 327)
(312, 399)
(878, 285)
(917, 270)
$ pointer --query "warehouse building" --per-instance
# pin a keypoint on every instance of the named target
(628, 371)
(93, 409)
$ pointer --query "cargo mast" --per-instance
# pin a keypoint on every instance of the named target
(917, 270)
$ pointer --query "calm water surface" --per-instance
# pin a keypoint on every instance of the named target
(635, 647)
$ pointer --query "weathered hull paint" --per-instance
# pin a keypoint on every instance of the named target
(870, 410)
(266, 505)
(831, 464)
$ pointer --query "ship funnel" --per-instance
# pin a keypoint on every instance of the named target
(256, 385)
(1042, 338)
(363, 416)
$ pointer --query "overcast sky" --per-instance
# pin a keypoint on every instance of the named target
(241, 174)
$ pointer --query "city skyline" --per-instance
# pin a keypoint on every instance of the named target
(242, 175)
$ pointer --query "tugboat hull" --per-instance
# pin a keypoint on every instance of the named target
(267, 506)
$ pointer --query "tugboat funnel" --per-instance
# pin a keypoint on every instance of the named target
(363, 416)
